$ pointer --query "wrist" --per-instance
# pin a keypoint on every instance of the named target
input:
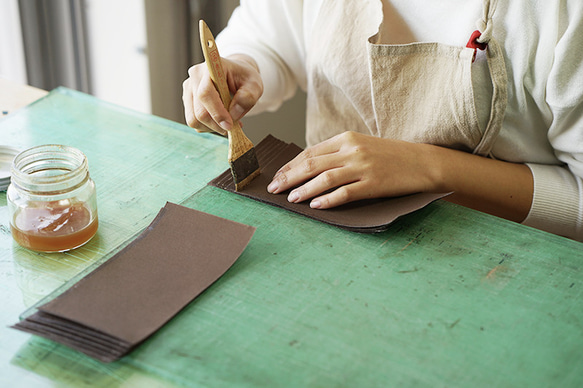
(435, 167)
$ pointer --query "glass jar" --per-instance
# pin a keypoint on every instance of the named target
(51, 199)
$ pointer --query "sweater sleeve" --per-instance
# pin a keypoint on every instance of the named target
(270, 31)
(557, 202)
(558, 190)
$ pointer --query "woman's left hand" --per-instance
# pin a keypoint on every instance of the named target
(355, 166)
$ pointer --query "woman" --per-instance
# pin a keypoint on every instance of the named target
(402, 99)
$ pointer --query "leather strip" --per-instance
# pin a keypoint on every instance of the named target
(367, 216)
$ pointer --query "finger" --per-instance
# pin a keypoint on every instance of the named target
(303, 159)
(325, 181)
(244, 99)
(327, 147)
(306, 168)
(195, 113)
(187, 102)
(244, 83)
(342, 195)
(204, 123)
(192, 106)
(210, 109)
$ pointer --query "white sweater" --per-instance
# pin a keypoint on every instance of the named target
(542, 42)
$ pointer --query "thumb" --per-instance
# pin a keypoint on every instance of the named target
(237, 111)
(244, 99)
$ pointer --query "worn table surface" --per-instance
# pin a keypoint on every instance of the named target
(446, 297)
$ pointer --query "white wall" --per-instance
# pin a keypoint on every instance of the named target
(117, 52)
(12, 65)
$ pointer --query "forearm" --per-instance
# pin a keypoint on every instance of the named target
(493, 186)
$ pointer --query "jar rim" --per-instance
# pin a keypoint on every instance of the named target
(66, 164)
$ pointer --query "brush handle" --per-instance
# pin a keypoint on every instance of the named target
(238, 142)
(214, 63)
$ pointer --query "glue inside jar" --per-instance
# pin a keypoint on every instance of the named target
(51, 199)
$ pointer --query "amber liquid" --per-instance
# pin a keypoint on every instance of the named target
(54, 226)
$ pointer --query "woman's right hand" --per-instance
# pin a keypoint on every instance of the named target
(203, 107)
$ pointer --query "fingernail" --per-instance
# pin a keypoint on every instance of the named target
(273, 186)
(226, 125)
(236, 112)
(315, 204)
(293, 196)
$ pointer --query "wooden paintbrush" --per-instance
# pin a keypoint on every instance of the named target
(242, 158)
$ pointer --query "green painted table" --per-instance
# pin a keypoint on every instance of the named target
(446, 297)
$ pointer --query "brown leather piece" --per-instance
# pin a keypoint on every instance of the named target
(129, 297)
(367, 216)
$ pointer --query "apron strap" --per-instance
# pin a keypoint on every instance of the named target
(482, 39)
(497, 68)
(485, 24)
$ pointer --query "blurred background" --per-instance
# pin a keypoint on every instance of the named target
(134, 53)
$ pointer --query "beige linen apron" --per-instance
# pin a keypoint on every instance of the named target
(418, 92)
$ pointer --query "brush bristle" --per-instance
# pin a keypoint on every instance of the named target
(244, 169)
(246, 181)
